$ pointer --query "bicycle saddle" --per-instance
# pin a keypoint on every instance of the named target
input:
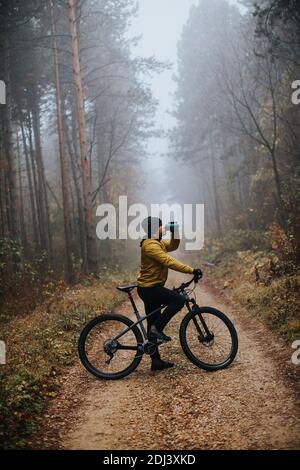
(127, 288)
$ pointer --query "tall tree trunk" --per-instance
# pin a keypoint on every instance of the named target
(37, 192)
(282, 212)
(42, 187)
(21, 200)
(3, 182)
(215, 191)
(69, 272)
(10, 156)
(31, 190)
(76, 180)
(91, 247)
(3, 215)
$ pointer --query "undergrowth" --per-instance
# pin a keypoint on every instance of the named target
(38, 346)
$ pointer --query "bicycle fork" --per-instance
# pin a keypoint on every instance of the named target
(208, 336)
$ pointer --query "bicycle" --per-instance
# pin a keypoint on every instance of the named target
(198, 332)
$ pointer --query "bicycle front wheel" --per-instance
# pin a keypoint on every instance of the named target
(106, 357)
(208, 338)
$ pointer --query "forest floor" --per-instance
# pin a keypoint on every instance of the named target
(254, 404)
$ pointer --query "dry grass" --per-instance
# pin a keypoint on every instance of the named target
(38, 346)
(254, 279)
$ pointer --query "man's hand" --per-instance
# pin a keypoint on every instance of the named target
(198, 273)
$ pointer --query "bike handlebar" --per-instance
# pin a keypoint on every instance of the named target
(184, 285)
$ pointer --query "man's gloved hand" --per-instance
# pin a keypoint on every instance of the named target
(198, 273)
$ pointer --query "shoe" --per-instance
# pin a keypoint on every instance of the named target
(159, 364)
(159, 334)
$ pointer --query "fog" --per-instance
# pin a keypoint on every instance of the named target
(159, 23)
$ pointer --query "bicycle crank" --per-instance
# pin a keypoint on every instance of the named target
(149, 347)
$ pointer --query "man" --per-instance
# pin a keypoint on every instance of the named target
(155, 263)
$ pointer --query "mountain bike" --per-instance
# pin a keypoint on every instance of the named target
(111, 346)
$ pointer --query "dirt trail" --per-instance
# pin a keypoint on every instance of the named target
(251, 405)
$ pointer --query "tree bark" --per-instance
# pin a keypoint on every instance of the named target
(77, 180)
(21, 201)
(31, 191)
(69, 271)
(37, 192)
(215, 191)
(91, 247)
(10, 156)
(42, 187)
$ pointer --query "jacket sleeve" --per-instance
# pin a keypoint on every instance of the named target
(155, 251)
(171, 245)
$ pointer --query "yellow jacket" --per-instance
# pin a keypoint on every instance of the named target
(155, 262)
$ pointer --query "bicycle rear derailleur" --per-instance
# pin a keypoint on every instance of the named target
(110, 347)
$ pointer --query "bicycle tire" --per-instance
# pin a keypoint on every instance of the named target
(82, 352)
(184, 344)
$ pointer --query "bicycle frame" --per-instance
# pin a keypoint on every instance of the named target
(140, 319)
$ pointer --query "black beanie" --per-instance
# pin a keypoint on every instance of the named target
(150, 225)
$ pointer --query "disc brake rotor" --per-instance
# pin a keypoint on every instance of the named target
(208, 341)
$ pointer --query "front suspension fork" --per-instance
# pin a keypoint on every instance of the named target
(196, 309)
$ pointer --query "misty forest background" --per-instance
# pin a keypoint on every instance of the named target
(74, 131)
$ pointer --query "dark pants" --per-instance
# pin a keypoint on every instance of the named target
(155, 297)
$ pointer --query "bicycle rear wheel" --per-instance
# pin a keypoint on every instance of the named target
(104, 357)
(208, 338)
